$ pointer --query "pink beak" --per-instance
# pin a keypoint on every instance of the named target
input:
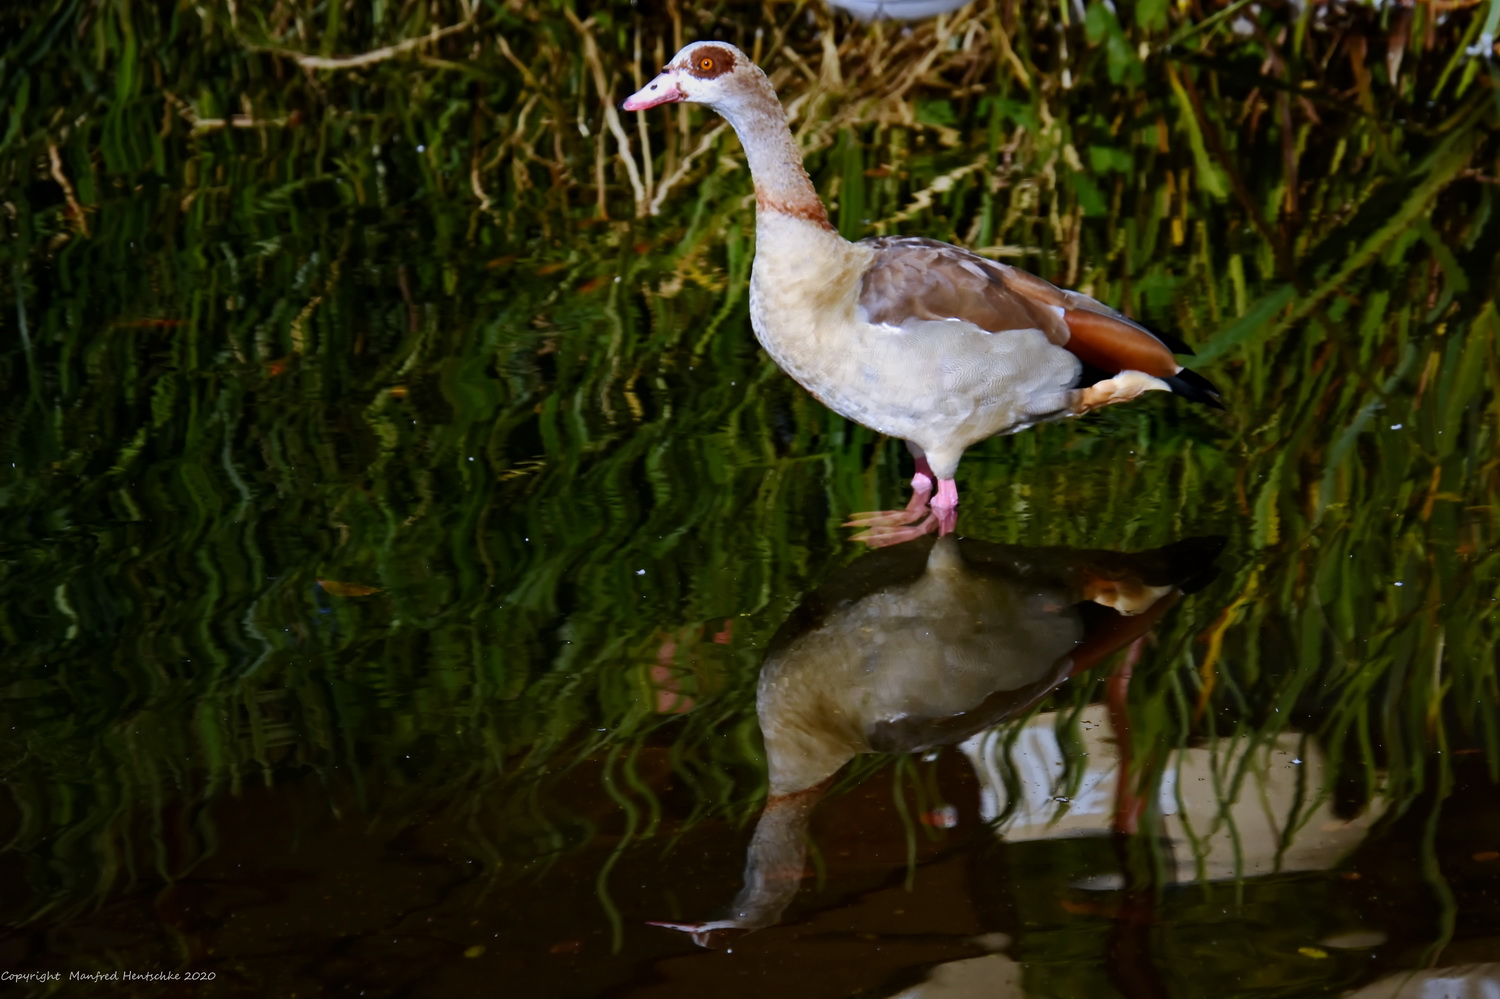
(662, 90)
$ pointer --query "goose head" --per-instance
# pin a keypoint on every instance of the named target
(713, 73)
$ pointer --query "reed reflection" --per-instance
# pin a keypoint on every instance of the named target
(927, 644)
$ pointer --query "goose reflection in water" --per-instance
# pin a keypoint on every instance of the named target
(927, 644)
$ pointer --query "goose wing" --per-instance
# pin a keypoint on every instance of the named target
(913, 279)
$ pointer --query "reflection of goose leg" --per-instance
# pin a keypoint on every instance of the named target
(1129, 952)
(1128, 804)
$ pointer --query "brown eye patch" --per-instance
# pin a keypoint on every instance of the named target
(710, 61)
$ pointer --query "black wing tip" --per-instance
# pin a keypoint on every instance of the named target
(1193, 386)
(1190, 563)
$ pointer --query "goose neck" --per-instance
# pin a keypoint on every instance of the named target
(782, 185)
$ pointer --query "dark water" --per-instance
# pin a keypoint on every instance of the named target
(387, 577)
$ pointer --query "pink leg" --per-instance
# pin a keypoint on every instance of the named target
(947, 494)
(890, 527)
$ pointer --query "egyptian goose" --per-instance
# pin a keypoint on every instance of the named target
(926, 645)
(911, 337)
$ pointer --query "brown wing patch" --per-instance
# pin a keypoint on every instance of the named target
(911, 278)
(1116, 345)
(710, 61)
(922, 279)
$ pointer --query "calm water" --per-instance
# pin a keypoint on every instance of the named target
(387, 581)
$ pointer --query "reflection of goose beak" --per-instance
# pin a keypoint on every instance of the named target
(713, 936)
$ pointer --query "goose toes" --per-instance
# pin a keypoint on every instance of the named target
(885, 535)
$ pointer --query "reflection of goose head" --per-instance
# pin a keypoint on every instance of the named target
(922, 645)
